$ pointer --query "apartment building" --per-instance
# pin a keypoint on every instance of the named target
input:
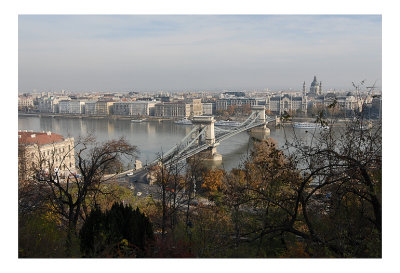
(223, 104)
(172, 109)
(196, 107)
(286, 103)
(208, 109)
(50, 104)
(71, 107)
(133, 108)
(104, 108)
(76, 107)
(63, 107)
(25, 101)
(346, 102)
(90, 107)
(44, 151)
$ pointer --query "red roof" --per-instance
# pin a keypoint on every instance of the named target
(39, 138)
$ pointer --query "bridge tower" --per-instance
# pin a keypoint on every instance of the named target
(260, 132)
(211, 152)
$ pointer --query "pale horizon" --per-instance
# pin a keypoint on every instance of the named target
(176, 53)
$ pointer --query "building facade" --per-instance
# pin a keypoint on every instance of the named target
(315, 88)
(50, 104)
(196, 107)
(71, 107)
(172, 109)
(46, 105)
(25, 102)
(208, 109)
(286, 103)
(223, 104)
(133, 108)
(63, 107)
(104, 108)
(346, 102)
(76, 107)
(90, 107)
(45, 152)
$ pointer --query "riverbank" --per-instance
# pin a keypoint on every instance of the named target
(337, 122)
(79, 116)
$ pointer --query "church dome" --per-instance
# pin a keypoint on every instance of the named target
(314, 82)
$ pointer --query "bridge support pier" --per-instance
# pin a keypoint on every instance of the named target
(261, 132)
(211, 153)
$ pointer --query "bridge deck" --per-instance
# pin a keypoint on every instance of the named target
(189, 145)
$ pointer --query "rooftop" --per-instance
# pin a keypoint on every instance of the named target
(40, 138)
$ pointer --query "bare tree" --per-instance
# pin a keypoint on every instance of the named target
(345, 165)
(71, 196)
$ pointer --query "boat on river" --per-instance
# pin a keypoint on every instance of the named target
(309, 125)
(183, 121)
(137, 120)
(227, 123)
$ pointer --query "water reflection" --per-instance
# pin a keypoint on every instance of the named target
(151, 137)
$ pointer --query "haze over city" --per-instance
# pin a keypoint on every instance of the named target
(196, 134)
(196, 52)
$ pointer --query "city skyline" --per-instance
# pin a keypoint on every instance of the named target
(197, 52)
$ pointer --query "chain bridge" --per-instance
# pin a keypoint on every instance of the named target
(205, 137)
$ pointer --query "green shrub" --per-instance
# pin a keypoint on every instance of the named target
(119, 232)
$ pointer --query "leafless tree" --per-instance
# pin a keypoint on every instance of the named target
(72, 196)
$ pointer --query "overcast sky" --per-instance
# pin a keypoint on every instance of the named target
(197, 52)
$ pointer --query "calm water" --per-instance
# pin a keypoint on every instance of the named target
(150, 137)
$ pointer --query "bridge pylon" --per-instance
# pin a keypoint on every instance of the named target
(211, 152)
(262, 131)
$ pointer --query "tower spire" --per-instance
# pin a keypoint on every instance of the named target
(320, 87)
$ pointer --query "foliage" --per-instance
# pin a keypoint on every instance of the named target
(322, 200)
(213, 180)
(120, 231)
(40, 237)
(65, 201)
(314, 198)
(169, 247)
(73, 197)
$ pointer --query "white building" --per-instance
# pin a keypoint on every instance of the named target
(133, 108)
(285, 102)
(63, 107)
(208, 109)
(44, 151)
(71, 107)
(347, 102)
(76, 107)
(223, 104)
(172, 109)
(90, 107)
(25, 101)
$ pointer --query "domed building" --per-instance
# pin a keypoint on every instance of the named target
(315, 88)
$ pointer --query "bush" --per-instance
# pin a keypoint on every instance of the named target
(119, 232)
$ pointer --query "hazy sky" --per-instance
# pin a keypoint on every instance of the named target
(197, 52)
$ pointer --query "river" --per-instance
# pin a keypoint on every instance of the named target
(151, 137)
